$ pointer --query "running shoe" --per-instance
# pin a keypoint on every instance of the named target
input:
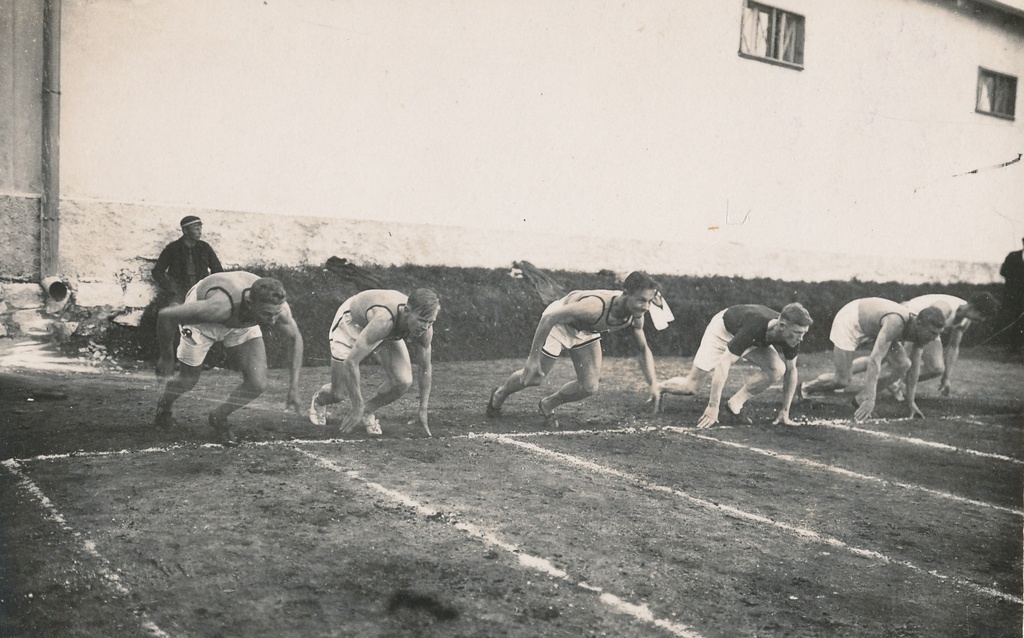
(492, 412)
(164, 420)
(222, 431)
(317, 412)
(728, 417)
(550, 420)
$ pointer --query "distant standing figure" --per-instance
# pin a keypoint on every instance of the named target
(381, 323)
(939, 357)
(185, 261)
(575, 324)
(767, 338)
(886, 324)
(1012, 272)
(226, 307)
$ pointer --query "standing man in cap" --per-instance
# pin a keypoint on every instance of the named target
(184, 262)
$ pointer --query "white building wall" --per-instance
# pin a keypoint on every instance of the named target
(553, 120)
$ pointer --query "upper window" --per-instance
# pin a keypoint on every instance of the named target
(997, 94)
(772, 35)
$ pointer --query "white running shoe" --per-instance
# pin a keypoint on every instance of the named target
(317, 412)
(372, 425)
(897, 392)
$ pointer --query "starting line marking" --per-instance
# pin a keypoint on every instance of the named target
(536, 563)
(728, 510)
(106, 573)
(844, 472)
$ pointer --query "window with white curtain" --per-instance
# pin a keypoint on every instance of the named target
(772, 35)
(997, 94)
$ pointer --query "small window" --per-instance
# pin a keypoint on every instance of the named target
(772, 35)
(997, 94)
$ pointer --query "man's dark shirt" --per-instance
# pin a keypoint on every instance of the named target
(1013, 272)
(748, 324)
(173, 272)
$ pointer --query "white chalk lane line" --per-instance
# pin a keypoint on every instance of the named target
(106, 573)
(536, 563)
(910, 440)
(727, 510)
(810, 463)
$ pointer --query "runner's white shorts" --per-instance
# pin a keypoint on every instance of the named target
(846, 332)
(713, 344)
(564, 337)
(197, 339)
(343, 333)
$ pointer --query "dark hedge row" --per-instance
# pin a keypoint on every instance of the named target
(488, 314)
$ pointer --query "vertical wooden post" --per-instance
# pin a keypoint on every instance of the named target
(49, 228)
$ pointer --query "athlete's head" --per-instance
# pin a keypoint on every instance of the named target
(638, 281)
(794, 322)
(640, 290)
(929, 325)
(981, 306)
(266, 299)
(191, 227)
(423, 306)
(796, 313)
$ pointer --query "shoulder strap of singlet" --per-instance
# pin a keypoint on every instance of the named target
(394, 318)
(224, 290)
(604, 308)
(898, 315)
(608, 317)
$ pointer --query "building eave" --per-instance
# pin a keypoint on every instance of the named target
(1011, 7)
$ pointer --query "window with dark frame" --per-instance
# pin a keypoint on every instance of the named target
(772, 35)
(997, 94)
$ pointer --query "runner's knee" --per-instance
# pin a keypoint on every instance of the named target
(842, 380)
(256, 382)
(900, 365)
(589, 387)
(402, 386)
(401, 381)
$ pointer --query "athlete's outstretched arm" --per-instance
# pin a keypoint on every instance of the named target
(286, 324)
(718, 379)
(950, 355)
(789, 384)
(378, 327)
(892, 328)
(645, 357)
(421, 352)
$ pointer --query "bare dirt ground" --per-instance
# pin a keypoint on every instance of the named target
(621, 524)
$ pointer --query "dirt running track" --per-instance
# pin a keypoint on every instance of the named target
(621, 524)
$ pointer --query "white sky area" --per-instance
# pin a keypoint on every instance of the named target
(545, 116)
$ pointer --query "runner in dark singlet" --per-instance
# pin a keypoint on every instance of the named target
(768, 339)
